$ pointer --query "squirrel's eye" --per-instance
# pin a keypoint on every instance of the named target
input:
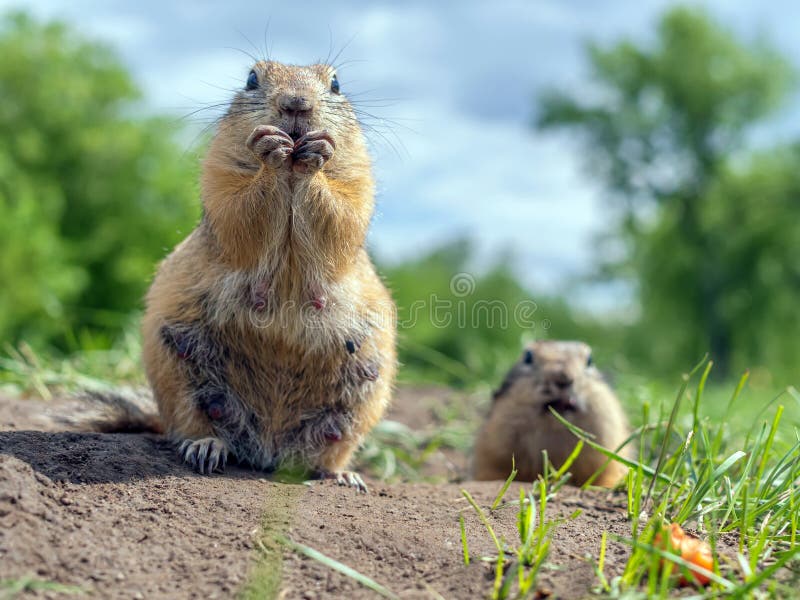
(527, 358)
(589, 361)
(334, 84)
(252, 81)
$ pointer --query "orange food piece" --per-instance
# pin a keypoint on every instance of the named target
(690, 549)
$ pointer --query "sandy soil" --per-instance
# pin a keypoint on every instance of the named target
(407, 538)
(118, 516)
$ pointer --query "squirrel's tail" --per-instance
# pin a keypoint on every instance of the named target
(128, 411)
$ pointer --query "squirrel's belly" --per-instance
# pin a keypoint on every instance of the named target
(306, 314)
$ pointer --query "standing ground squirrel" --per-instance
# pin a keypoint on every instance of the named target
(267, 333)
(558, 375)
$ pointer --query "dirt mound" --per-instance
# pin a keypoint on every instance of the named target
(407, 538)
(118, 516)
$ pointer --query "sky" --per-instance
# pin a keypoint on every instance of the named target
(452, 85)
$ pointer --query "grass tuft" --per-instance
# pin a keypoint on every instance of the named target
(718, 483)
(517, 566)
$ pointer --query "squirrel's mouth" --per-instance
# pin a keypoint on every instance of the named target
(562, 404)
(296, 127)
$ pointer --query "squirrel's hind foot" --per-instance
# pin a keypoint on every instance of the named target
(206, 455)
(344, 478)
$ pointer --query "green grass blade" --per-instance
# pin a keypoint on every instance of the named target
(340, 568)
(570, 459)
(601, 561)
(484, 520)
(506, 485)
(744, 591)
(10, 588)
(699, 395)
(587, 439)
(670, 425)
(768, 446)
(464, 545)
(739, 387)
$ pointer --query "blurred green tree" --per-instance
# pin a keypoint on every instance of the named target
(92, 194)
(707, 236)
(463, 326)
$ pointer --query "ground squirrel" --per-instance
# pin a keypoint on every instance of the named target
(559, 375)
(267, 333)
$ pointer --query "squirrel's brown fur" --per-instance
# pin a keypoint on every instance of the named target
(559, 375)
(267, 333)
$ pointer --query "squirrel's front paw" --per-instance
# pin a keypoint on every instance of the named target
(312, 151)
(205, 455)
(271, 145)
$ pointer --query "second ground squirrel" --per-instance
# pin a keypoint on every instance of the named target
(559, 375)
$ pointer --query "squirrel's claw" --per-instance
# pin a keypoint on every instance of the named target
(206, 456)
(352, 479)
(344, 478)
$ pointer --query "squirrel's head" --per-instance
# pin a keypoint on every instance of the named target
(554, 373)
(296, 99)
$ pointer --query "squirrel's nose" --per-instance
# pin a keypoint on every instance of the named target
(562, 380)
(294, 105)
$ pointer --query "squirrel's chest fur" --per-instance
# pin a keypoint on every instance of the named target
(304, 310)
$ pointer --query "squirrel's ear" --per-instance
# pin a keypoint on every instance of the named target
(527, 357)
